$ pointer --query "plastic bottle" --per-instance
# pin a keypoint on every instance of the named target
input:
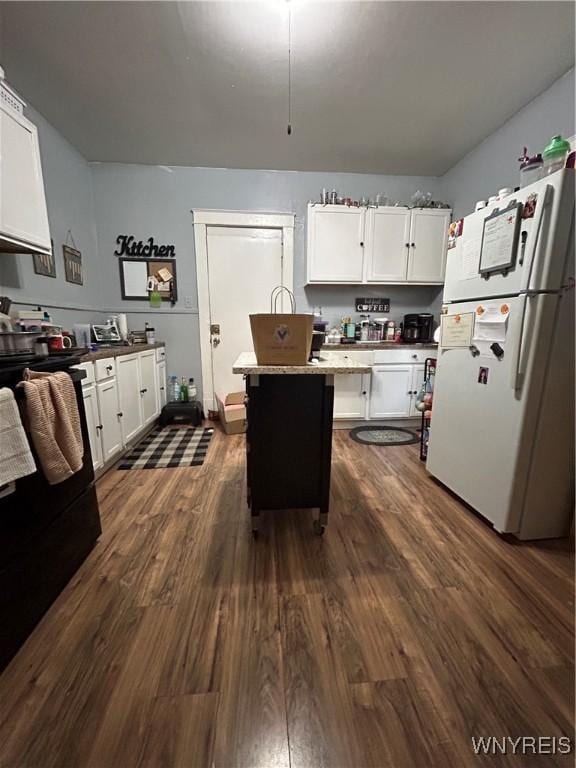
(192, 390)
(183, 390)
(555, 154)
(174, 389)
(530, 168)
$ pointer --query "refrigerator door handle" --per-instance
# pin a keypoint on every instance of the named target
(547, 196)
(517, 342)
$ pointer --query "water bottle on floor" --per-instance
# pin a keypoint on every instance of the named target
(174, 389)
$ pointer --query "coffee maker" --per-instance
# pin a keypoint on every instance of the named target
(418, 328)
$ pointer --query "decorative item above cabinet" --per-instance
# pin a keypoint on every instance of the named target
(23, 215)
(387, 244)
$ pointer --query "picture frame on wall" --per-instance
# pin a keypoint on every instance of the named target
(45, 263)
(72, 265)
(140, 277)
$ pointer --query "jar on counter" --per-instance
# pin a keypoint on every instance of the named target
(555, 154)
(390, 330)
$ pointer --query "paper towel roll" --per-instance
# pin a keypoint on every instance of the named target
(123, 326)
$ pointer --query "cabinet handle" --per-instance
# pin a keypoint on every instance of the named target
(407, 245)
(361, 244)
(414, 357)
(109, 367)
(120, 415)
(364, 392)
(143, 391)
(161, 389)
(99, 426)
(413, 245)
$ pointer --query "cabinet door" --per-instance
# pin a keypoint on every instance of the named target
(128, 378)
(335, 251)
(428, 243)
(93, 424)
(23, 214)
(148, 388)
(417, 381)
(109, 418)
(390, 393)
(387, 244)
(161, 384)
(350, 392)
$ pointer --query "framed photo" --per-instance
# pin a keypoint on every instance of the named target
(45, 263)
(500, 240)
(72, 265)
(140, 277)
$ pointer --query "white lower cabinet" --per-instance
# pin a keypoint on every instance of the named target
(93, 423)
(417, 381)
(128, 376)
(391, 391)
(350, 395)
(148, 386)
(109, 408)
(161, 384)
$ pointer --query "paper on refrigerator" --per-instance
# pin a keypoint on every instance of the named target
(470, 263)
(491, 323)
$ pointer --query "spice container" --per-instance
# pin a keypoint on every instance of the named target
(555, 154)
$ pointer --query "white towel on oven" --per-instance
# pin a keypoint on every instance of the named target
(16, 458)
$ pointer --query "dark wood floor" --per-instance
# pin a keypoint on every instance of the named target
(408, 629)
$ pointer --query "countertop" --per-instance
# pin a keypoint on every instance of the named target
(119, 351)
(246, 363)
(379, 345)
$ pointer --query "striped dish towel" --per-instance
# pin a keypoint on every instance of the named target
(16, 458)
(54, 423)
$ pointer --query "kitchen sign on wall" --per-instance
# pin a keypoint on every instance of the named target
(129, 246)
(370, 304)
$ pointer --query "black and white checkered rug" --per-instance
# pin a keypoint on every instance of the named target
(169, 447)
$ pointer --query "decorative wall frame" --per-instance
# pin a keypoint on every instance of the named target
(45, 263)
(72, 265)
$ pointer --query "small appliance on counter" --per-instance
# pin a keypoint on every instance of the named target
(418, 328)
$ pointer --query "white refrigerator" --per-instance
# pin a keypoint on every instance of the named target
(502, 427)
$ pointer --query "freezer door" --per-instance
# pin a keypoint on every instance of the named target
(485, 410)
(542, 245)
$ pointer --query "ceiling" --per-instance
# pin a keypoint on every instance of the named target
(381, 87)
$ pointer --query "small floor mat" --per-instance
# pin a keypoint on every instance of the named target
(167, 447)
(384, 435)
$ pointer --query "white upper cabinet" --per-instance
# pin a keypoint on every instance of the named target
(335, 244)
(390, 244)
(23, 214)
(387, 244)
(428, 243)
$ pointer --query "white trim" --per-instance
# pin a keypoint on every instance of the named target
(240, 218)
(205, 218)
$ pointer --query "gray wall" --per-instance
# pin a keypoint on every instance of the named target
(68, 184)
(493, 164)
(154, 201)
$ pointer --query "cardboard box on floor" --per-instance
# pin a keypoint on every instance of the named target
(232, 413)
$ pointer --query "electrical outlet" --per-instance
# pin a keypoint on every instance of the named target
(189, 302)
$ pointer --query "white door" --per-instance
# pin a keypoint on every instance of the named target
(485, 410)
(93, 424)
(244, 265)
(109, 409)
(387, 244)
(350, 396)
(161, 384)
(128, 376)
(148, 390)
(335, 250)
(428, 243)
(417, 382)
(390, 395)
(23, 214)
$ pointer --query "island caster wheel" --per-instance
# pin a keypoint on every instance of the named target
(319, 528)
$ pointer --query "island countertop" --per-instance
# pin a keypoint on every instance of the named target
(246, 363)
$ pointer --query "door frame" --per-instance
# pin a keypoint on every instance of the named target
(204, 218)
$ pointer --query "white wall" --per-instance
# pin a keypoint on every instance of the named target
(493, 164)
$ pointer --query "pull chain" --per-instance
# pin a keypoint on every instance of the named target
(289, 128)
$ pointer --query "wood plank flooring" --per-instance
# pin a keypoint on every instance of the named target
(407, 629)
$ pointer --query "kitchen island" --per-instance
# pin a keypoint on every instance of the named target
(289, 434)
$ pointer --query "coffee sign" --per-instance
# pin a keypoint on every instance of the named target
(129, 246)
(369, 304)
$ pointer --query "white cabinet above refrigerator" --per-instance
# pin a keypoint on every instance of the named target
(23, 214)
